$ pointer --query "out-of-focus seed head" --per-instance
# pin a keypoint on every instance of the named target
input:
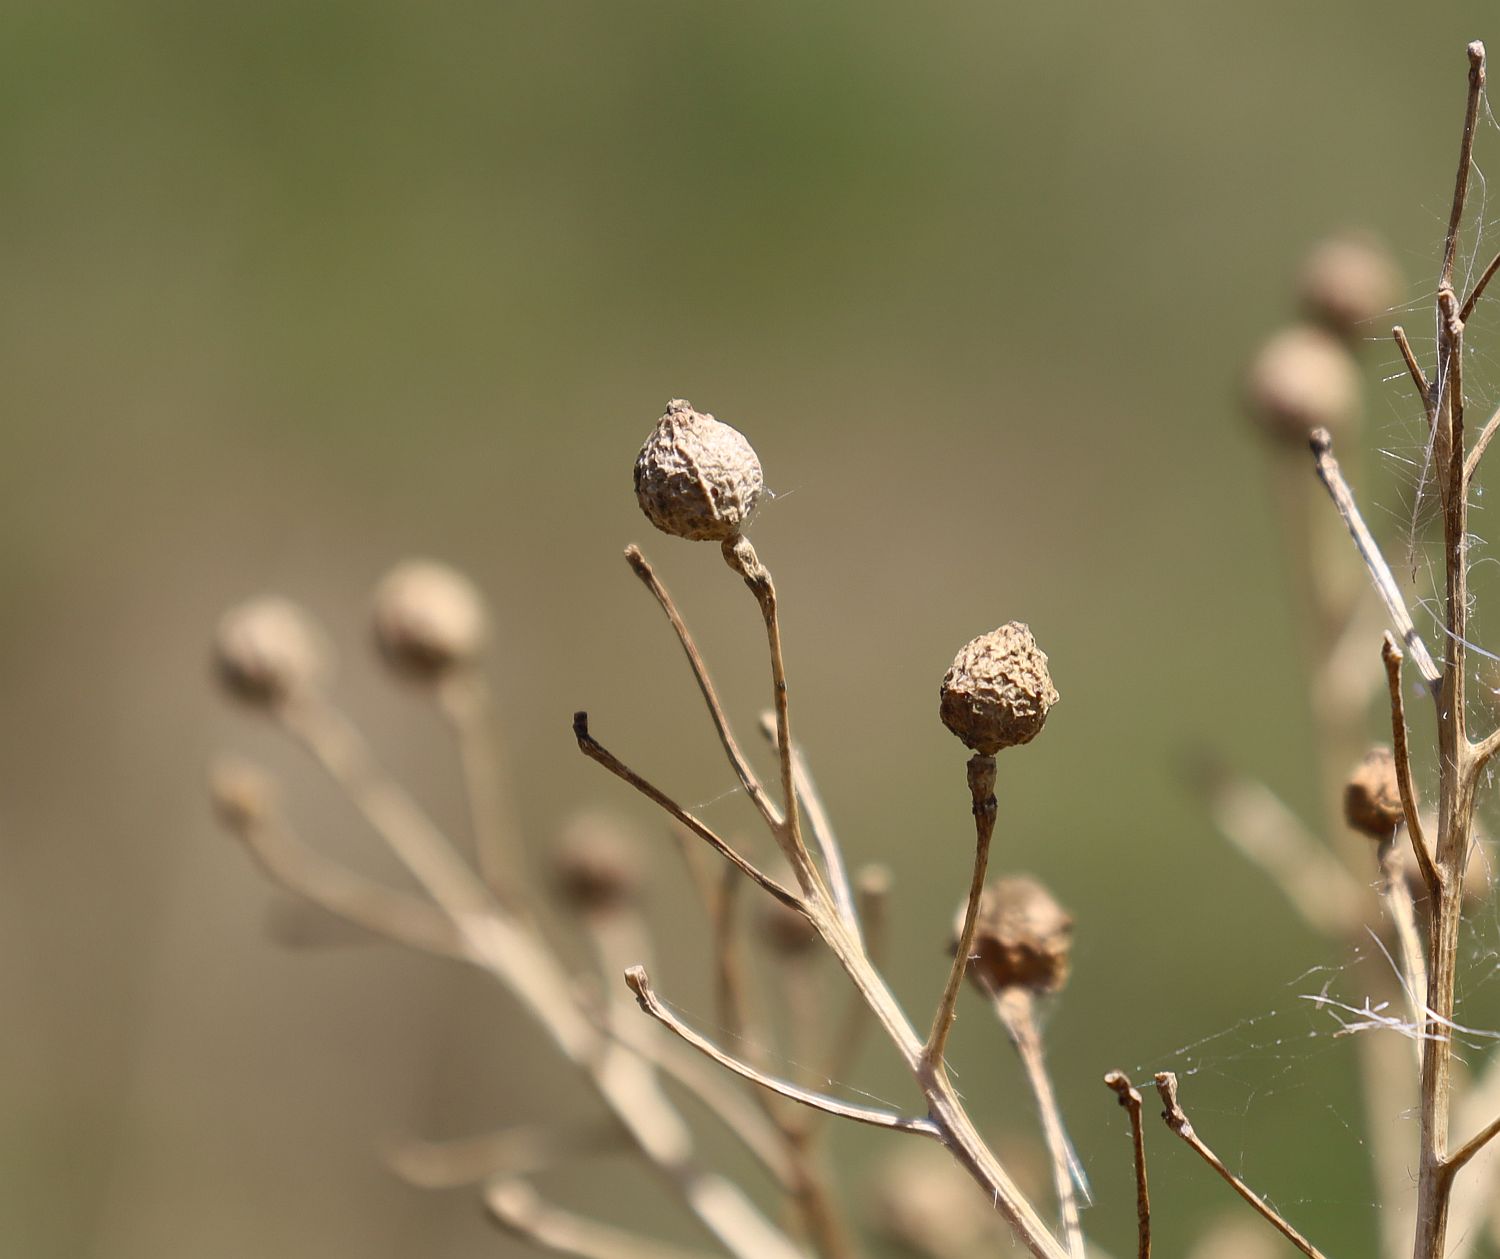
(242, 794)
(596, 864)
(785, 930)
(696, 477)
(1022, 937)
(925, 1203)
(269, 650)
(1303, 378)
(428, 619)
(1237, 1237)
(1348, 281)
(1372, 795)
(998, 691)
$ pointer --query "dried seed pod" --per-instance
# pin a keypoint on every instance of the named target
(925, 1203)
(1302, 379)
(998, 691)
(786, 930)
(1022, 937)
(1372, 795)
(1348, 281)
(268, 650)
(428, 619)
(242, 794)
(696, 477)
(596, 864)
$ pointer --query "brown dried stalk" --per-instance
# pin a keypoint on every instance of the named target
(1130, 1100)
(1177, 1120)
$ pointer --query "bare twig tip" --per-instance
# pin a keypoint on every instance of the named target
(581, 727)
(1321, 441)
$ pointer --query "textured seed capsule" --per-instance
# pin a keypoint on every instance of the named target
(428, 618)
(998, 691)
(1302, 379)
(1022, 937)
(696, 477)
(1372, 796)
(268, 650)
(596, 865)
(1348, 281)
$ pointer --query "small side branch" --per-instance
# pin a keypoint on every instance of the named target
(1401, 747)
(1177, 1121)
(1130, 1099)
(1465, 161)
(1478, 290)
(1364, 542)
(515, 1207)
(519, 1151)
(640, 984)
(595, 751)
(1418, 376)
(1473, 1145)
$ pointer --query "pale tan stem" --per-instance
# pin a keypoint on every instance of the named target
(1268, 834)
(741, 557)
(352, 897)
(820, 826)
(1015, 1008)
(465, 702)
(1177, 1121)
(737, 761)
(519, 1151)
(1396, 897)
(518, 958)
(1130, 1101)
(515, 1207)
(982, 796)
(1369, 551)
(640, 984)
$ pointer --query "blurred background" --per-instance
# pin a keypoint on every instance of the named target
(296, 290)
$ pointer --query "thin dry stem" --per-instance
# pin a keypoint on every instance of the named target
(820, 826)
(595, 751)
(1397, 899)
(1369, 551)
(1481, 444)
(1177, 1120)
(518, 1151)
(982, 796)
(465, 702)
(515, 1207)
(640, 984)
(1418, 376)
(1016, 1011)
(747, 776)
(1401, 749)
(1267, 833)
(1130, 1100)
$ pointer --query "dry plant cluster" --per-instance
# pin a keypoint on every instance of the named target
(699, 479)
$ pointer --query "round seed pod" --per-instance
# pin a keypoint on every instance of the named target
(1022, 937)
(998, 691)
(268, 650)
(926, 1204)
(242, 794)
(1348, 281)
(696, 477)
(1372, 796)
(1303, 378)
(596, 864)
(786, 931)
(428, 619)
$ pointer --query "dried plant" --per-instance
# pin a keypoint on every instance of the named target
(699, 479)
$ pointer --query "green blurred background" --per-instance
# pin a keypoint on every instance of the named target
(294, 290)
